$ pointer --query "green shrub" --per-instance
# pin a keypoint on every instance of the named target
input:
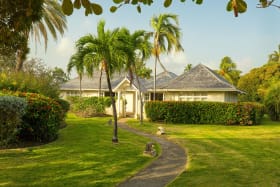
(42, 119)
(204, 112)
(89, 106)
(65, 106)
(11, 111)
(41, 83)
(272, 102)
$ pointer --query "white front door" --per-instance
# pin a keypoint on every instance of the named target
(129, 96)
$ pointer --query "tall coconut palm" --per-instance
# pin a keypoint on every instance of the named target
(53, 21)
(275, 56)
(138, 49)
(104, 48)
(166, 36)
(228, 70)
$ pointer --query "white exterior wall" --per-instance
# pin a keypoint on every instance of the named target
(198, 96)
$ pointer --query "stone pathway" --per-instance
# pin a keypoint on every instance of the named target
(163, 170)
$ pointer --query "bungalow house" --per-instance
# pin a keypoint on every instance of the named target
(199, 84)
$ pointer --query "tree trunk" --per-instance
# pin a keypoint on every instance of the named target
(115, 133)
(80, 79)
(19, 60)
(99, 90)
(162, 66)
(141, 100)
(155, 78)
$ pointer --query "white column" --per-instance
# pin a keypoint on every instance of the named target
(136, 104)
(119, 103)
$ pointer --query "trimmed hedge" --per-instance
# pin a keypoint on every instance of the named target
(204, 112)
(11, 111)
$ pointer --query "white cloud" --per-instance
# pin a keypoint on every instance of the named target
(65, 47)
(175, 62)
(244, 64)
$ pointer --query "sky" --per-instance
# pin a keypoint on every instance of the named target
(209, 33)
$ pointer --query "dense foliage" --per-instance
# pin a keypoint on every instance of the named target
(35, 78)
(89, 106)
(12, 110)
(258, 80)
(272, 102)
(42, 118)
(204, 112)
(91, 7)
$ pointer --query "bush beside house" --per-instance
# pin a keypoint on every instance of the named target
(89, 106)
(204, 112)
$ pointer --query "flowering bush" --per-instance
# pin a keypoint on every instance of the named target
(42, 119)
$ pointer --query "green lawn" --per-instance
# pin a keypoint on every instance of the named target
(83, 155)
(226, 155)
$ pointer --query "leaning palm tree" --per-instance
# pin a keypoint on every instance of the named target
(104, 48)
(53, 21)
(275, 56)
(138, 49)
(166, 36)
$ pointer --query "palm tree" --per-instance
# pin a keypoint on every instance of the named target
(166, 36)
(104, 48)
(275, 56)
(188, 67)
(228, 70)
(76, 61)
(53, 21)
(138, 49)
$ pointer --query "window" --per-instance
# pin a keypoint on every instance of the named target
(147, 97)
(107, 94)
(159, 96)
(193, 96)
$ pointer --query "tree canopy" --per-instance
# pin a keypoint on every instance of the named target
(91, 7)
(258, 80)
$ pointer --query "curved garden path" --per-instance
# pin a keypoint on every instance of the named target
(163, 170)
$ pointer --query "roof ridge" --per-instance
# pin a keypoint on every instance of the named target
(217, 76)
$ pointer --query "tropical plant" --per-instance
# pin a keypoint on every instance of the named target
(138, 49)
(228, 70)
(275, 56)
(76, 61)
(272, 102)
(188, 67)
(166, 36)
(15, 18)
(105, 48)
(52, 21)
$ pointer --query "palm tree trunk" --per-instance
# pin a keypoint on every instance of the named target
(162, 66)
(80, 79)
(141, 100)
(115, 134)
(99, 90)
(155, 78)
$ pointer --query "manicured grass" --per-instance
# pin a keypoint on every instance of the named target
(226, 155)
(83, 155)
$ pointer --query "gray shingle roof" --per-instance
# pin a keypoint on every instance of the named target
(92, 83)
(162, 79)
(199, 78)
